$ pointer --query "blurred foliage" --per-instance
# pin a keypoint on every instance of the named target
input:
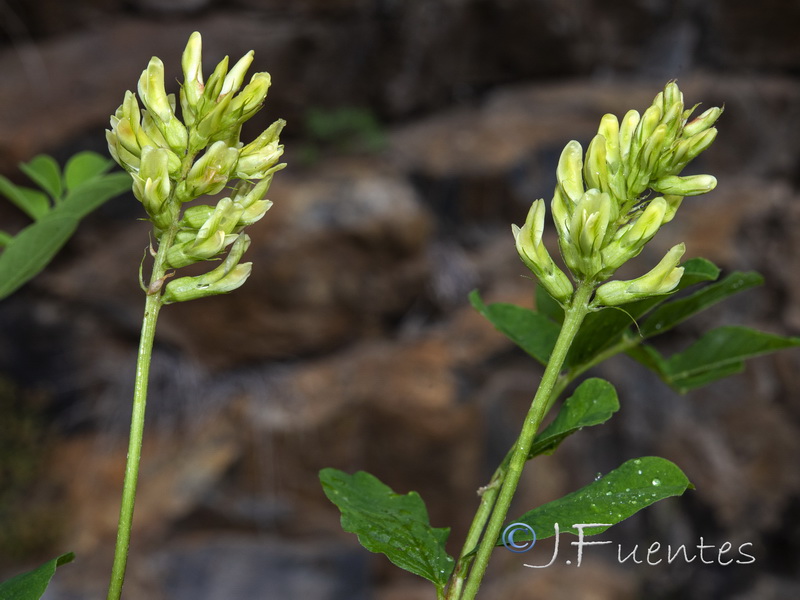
(343, 130)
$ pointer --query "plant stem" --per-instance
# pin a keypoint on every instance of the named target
(573, 318)
(626, 343)
(488, 497)
(151, 310)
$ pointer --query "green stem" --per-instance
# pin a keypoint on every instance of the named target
(573, 318)
(488, 498)
(151, 310)
(488, 495)
(626, 343)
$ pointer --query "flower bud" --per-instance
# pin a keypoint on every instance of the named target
(213, 87)
(588, 230)
(653, 148)
(251, 198)
(151, 185)
(595, 168)
(224, 218)
(152, 92)
(673, 204)
(192, 88)
(561, 208)
(195, 250)
(249, 101)
(642, 170)
(210, 172)
(631, 239)
(535, 256)
(609, 129)
(689, 148)
(126, 126)
(258, 157)
(233, 80)
(210, 236)
(569, 173)
(662, 279)
(123, 157)
(626, 131)
(195, 217)
(228, 276)
(693, 185)
(672, 96)
(155, 167)
(161, 108)
(673, 118)
(702, 122)
(644, 129)
(211, 123)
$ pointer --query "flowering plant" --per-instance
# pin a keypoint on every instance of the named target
(606, 206)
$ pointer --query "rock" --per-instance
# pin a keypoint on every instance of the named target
(241, 569)
(174, 475)
(507, 148)
(340, 256)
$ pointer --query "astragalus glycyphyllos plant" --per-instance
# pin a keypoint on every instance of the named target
(606, 206)
(174, 161)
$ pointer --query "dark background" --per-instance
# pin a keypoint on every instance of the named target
(418, 130)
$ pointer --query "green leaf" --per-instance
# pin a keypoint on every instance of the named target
(32, 249)
(32, 585)
(599, 331)
(531, 331)
(83, 167)
(592, 403)
(5, 239)
(697, 270)
(636, 484)
(90, 194)
(536, 332)
(393, 524)
(649, 357)
(719, 353)
(45, 172)
(668, 315)
(32, 202)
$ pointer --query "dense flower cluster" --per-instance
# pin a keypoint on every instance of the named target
(162, 153)
(605, 206)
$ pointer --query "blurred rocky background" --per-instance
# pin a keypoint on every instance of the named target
(418, 131)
